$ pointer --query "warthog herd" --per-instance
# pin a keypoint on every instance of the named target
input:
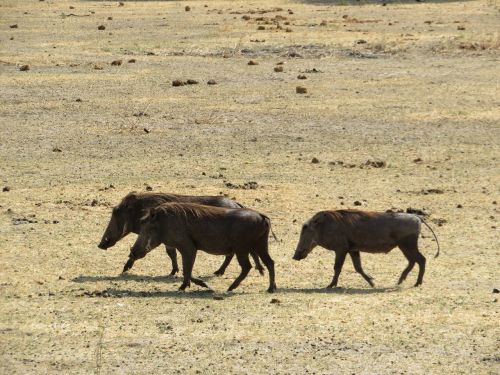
(221, 226)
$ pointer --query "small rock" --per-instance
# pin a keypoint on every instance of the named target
(192, 82)
(6, 188)
(116, 62)
(177, 83)
(61, 278)
(78, 100)
(275, 300)
(24, 68)
(94, 202)
(149, 188)
(121, 3)
(361, 41)
(461, 28)
(13, 26)
(323, 23)
(131, 61)
(314, 160)
(211, 82)
(301, 76)
(417, 160)
(187, 8)
(495, 290)
(300, 90)
(261, 28)
(459, 206)
(56, 149)
(251, 62)
(101, 27)
(110, 18)
(357, 203)
(278, 69)
(146, 130)
(245, 17)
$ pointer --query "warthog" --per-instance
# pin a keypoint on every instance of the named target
(352, 231)
(126, 216)
(215, 230)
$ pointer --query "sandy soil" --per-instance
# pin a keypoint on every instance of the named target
(413, 84)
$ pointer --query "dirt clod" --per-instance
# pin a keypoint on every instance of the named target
(56, 149)
(24, 68)
(116, 62)
(13, 26)
(301, 76)
(6, 188)
(357, 203)
(275, 300)
(211, 82)
(301, 90)
(177, 83)
(278, 69)
(314, 160)
(131, 61)
(251, 62)
(101, 27)
(495, 290)
(187, 8)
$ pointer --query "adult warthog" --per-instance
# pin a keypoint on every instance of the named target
(220, 231)
(126, 216)
(352, 231)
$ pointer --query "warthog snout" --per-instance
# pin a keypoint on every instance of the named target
(299, 255)
(103, 244)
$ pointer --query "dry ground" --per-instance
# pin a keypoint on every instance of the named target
(424, 85)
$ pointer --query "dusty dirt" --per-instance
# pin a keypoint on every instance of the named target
(401, 110)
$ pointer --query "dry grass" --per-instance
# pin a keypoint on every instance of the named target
(411, 91)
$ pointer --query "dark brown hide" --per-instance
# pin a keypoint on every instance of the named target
(220, 231)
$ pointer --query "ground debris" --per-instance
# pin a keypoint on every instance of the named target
(250, 185)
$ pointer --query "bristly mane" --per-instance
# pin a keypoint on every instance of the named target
(350, 217)
(188, 210)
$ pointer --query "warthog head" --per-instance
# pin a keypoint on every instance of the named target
(307, 241)
(120, 224)
(150, 234)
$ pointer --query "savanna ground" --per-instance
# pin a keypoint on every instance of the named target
(411, 84)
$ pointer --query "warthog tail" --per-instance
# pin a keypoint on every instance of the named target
(270, 227)
(434, 234)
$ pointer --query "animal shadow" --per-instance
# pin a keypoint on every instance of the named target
(195, 294)
(133, 277)
(339, 290)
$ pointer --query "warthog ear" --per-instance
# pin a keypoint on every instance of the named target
(129, 199)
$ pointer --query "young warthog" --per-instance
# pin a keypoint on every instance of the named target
(215, 230)
(125, 219)
(352, 231)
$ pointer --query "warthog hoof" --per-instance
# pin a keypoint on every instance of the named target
(271, 289)
(219, 272)
(174, 271)
(261, 270)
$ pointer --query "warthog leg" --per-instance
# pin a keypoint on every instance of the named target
(337, 268)
(173, 257)
(356, 261)
(258, 266)
(409, 247)
(246, 266)
(263, 253)
(224, 265)
(132, 257)
(228, 259)
(188, 257)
